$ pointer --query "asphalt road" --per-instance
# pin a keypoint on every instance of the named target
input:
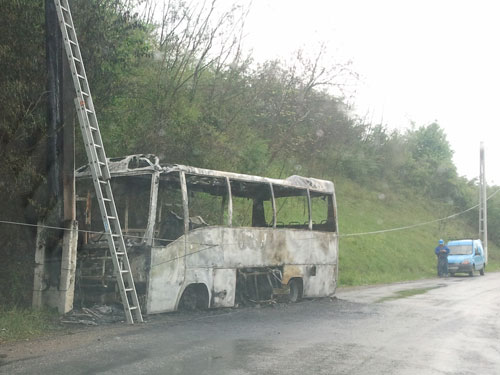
(451, 327)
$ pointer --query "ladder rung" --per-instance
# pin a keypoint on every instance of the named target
(63, 8)
(68, 25)
(72, 42)
(80, 76)
(92, 128)
(89, 110)
(77, 60)
(90, 277)
(101, 258)
(97, 146)
(104, 182)
(106, 199)
(111, 217)
(128, 289)
(85, 93)
(119, 253)
(132, 308)
(124, 271)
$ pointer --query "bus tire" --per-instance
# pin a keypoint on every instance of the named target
(194, 297)
(481, 271)
(296, 289)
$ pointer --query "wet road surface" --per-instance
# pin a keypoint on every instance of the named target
(445, 326)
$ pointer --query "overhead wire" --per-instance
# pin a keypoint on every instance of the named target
(418, 224)
(101, 233)
(210, 246)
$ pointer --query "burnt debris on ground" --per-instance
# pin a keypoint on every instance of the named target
(96, 315)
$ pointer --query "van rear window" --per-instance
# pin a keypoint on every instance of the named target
(460, 249)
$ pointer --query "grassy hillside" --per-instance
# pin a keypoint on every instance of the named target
(399, 255)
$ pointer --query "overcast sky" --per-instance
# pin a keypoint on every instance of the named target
(420, 61)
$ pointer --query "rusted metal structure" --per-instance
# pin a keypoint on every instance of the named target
(200, 238)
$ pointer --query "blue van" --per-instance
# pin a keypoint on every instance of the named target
(466, 256)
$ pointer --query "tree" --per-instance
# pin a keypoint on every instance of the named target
(430, 166)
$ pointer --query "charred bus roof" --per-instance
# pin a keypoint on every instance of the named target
(145, 164)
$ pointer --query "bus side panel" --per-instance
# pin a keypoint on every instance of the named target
(247, 247)
(204, 248)
(319, 281)
(262, 247)
(224, 247)
(309, 248)
(205, 264)
(165, 277)
(224, 287)
(214, 253)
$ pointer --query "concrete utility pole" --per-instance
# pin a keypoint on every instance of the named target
(483, 214)
(55, 255)
(48, 242)
(70, 236)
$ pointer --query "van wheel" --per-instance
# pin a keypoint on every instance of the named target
(295, 290)
(481, 272)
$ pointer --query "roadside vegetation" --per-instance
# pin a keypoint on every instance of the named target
(24, 323)
(180, 86)
(392, 256)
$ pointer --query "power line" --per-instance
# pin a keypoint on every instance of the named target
(87, 231)
(418, 224)
(210, 246)
(408, 226)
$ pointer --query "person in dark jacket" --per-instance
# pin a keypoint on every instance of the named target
(442, 252)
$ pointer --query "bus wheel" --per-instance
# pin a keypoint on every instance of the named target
(195, 297)
(295, 290)
(481, 272)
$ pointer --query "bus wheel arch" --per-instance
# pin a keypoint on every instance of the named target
(296, 286)
(194, 297)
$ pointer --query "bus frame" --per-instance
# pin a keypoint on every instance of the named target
(181, 262)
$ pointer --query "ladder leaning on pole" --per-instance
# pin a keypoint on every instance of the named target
(98, 165)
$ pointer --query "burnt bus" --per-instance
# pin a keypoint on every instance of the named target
(200, 238)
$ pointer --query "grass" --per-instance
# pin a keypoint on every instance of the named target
(406, 293)
(20, 324)
(399, 255)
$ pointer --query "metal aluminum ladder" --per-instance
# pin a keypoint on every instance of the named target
(98, 165)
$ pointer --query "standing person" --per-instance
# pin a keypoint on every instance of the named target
(442, 252)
